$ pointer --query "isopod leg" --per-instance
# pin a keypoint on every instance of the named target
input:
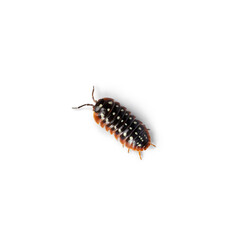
(140, 155)
(152, 144)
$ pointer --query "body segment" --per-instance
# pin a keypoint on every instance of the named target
(119, 121)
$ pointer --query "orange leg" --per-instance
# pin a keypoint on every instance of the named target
(152, 144)
(128, 150)
(140, 155)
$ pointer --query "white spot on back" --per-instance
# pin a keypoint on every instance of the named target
(113, 113)
(110, 102)
(131, 138)
(125, 134)
(122, 110)
(136, 133)
(118, 117)
(108, 109)
(135, 122)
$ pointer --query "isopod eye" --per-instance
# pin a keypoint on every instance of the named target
(99, 105)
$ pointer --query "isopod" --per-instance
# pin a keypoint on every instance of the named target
(119, 121)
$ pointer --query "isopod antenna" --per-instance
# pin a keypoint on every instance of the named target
(87, 104)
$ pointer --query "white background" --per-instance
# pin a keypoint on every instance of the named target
(174, 64)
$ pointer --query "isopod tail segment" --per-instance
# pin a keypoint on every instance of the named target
(116, 119)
